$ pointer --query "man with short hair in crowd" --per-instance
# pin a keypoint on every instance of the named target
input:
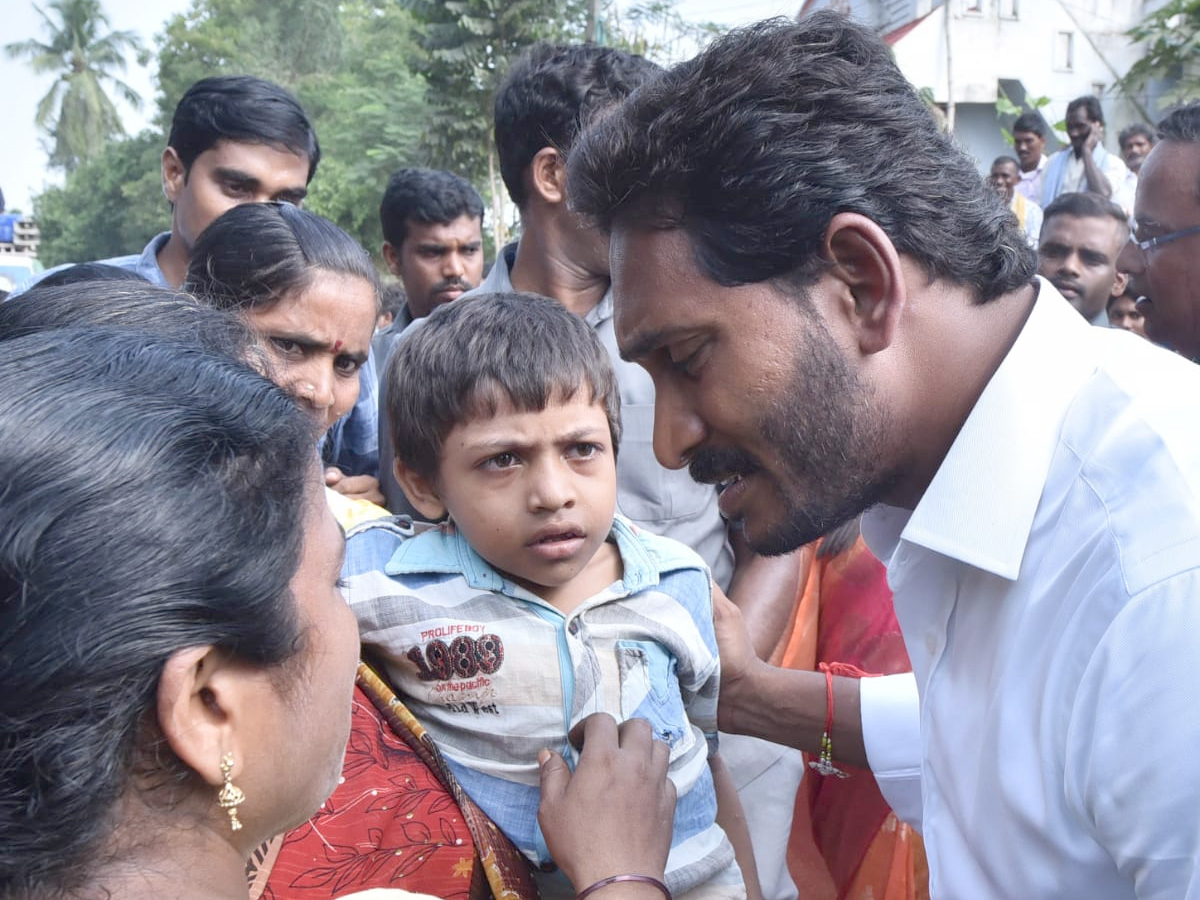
(1085, 165)
(432, 238)
(1029, 143)
(1163, 259)
(1082, 235)
(433, 242)
(838, 320)
(1004, 176)
(1135, 142)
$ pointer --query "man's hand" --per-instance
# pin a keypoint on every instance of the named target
(614, 815)
(356, 487)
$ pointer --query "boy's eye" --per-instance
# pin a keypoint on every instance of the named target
(585, 450)
(502, 461)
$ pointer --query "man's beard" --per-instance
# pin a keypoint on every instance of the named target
(828, 440)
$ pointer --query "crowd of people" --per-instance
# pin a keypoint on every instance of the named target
(769, 522)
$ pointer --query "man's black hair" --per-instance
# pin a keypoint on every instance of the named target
(427, 197)
(756, 144)
(1084, 205)
(1181, 124)
(1030, 122)
(1090, 106)
(551, 94)
(1132, 131)
(244, 110)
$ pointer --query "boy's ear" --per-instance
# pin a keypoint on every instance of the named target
(420, 491)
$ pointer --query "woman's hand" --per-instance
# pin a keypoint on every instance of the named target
(614, 814)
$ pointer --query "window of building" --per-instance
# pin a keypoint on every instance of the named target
(1008, 9)
(974, 7)
(1064, 51)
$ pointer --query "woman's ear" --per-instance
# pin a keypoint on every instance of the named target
(204, 702)
(866, 263)
(421, 492)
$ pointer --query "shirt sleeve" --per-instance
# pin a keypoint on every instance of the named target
(1132, 739)
(891, 724)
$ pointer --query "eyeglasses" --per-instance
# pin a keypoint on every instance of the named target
(1155, 242)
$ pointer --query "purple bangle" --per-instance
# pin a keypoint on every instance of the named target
(614, 879)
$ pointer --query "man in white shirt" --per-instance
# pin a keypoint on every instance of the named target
(1086, 165)
(838, 316)
(1029, 143)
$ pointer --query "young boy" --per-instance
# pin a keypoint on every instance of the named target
(534, 605)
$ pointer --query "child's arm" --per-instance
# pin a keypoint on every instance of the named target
(732, 819)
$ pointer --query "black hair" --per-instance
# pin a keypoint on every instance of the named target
(116, 303)
(550, 94)
(255, 254)
(171, 519)
(244, 110)
(1131, 131)
(753, 146)
(1090, 105)
(87, 272)
(427, 197)
(1085, 205)
(1182, 124)
(1006, 160)
(472, 355)
(1030, 122)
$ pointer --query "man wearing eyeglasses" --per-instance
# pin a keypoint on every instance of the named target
(1163, 253)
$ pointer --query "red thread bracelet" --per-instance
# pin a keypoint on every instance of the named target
(615, 879)
(823, 764)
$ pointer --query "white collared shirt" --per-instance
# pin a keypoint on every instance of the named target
(1048, 588)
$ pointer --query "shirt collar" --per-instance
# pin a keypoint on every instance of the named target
(980, 506)
(444, 550)
(147, 264)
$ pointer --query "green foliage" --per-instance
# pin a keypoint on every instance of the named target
(1171, 36)
(468, 46)
(1006, 109)
(111, 205)
(656, 30)
(280, 40)
(77, 112)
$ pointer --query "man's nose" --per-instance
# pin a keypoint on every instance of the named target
(678, 431)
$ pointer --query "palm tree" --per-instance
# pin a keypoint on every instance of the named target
(78, 112)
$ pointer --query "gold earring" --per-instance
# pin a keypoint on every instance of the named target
(230, 795)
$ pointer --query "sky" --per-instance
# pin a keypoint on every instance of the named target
(23, 169)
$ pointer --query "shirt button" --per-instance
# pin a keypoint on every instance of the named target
(574, 626)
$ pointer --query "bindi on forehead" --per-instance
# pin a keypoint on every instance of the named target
(337, 345)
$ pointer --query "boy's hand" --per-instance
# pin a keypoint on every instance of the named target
(356, 487)
(614, 815)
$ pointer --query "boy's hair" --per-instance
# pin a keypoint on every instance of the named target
(426, 197)
(244, 110)
(471, 356)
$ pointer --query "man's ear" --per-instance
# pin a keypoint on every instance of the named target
(420, 491)
(865, 262)
(174, 174)
(391, 256)
(548, 175)
(1120, 282)
(204, 703)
